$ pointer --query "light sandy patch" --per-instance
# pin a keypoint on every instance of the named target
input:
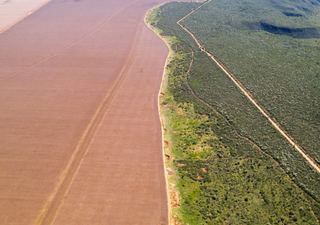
(12, 11)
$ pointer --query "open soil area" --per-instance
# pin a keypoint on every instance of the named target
(80, 136)
(12, 12)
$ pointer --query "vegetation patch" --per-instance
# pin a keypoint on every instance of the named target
(292, 14)
(309, 32)
(281, 72)
(219, 163)
(303, 33)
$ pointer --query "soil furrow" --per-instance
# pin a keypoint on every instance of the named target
(54, 202)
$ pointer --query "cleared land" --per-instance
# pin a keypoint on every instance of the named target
(12, 12)
(80, 137)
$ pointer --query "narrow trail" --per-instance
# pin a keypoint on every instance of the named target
(249, 95)
(194, 94)
(56, 199)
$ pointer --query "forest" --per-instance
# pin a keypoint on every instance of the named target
(230, 165)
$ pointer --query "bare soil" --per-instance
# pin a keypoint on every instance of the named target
(80, 136)
(166, 144)
(12, 12)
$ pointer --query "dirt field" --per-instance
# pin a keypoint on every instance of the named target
(80, 137)
(13, 11)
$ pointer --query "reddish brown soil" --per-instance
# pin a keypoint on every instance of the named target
(80, 137)
(166, 144)
(11, 12)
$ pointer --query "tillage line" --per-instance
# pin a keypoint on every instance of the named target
(55, 201)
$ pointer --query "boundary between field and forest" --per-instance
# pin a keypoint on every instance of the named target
(249, 95)
(240, 86)
(159, 111)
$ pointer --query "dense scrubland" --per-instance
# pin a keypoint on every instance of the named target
(283, 73)
(222, 171)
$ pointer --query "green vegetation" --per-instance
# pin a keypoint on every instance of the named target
(215, 88)
(282, 73)
(222, 177)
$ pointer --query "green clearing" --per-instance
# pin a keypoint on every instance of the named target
(228, 179)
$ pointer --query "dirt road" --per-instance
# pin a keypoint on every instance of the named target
(80, 137)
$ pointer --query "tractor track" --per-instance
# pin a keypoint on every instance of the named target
(56, 199)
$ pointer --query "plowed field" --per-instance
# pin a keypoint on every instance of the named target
(80, 137)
